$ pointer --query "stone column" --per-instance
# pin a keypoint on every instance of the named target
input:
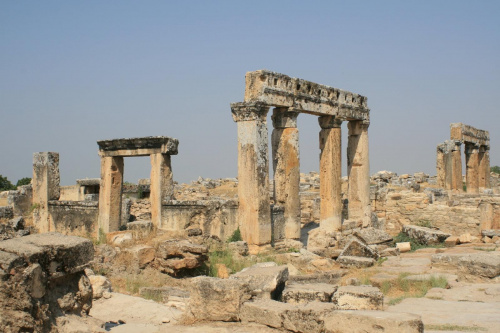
(254, 209)
(286, 166)
(162, 185)
(358, 171)
(110, 193)
(472, 168)
(484, 167)
(330, 173)
(444, 165)
(456, 167)
(46, 180)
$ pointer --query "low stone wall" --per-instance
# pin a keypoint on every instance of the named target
(214, 218)
(70, 193)
(78, 218)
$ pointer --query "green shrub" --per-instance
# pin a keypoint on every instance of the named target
(495, 169)
(415, 244)
(235, 237)
(23, 181)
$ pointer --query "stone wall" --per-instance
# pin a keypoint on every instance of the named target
(70, 193)
(21, 199)
(78, 218)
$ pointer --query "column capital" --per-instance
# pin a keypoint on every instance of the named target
(326, 122)
(247, 111)
(356, 127)
(471, 148)
(284, 118)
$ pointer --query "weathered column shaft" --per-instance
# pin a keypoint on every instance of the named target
(162, 185)
(441, 168)
(358, 167)
(254, 209)
(472, 168)
(330, 173)
(444, 163)
(456, 166)
(286, 166)
(484, 168)
(46, 181)
(110, 198)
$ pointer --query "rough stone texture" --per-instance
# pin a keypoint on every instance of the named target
(162, 185)
(425, 235)
(356, 262)
(101, 286)
(142, 255)
(480, 264)
(175, 257)
(21, 199)
(240, 247)
(138, 146)
(265, 280)
(110, 193)
(330, 277)
(45, 281)
(391, 251)
(77, 218)
(373, 236)
(373, 321)
(305, 293)
(140, 229)
(355, 248)
(216, 299)
(358, 298)
(6, 212)
(491, 233)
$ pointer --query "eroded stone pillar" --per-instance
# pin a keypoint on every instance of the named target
(330, 173)
(456, 167)
(358, 171)
(254, 209)
(162, 185)
(484, 167)
(472, 168)
(444, 164)
(46, 180)
(110, 193)
(286, 166)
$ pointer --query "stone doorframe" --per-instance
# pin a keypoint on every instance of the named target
(477, 159)
(289, 97)
(112, 152)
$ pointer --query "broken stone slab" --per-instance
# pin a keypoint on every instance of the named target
(308, 317)
(350, 321)
(101, 286)
(177, 256)
(142, 254)
(330, 277)
(491, 233)
(356, 262)
(216, 299)
(480, 264)
(451, 241)
(310, 292)
(425, 235)
(265, 280)
(140, 228)
(373, 236)
(390, 252)
(358, 298)
(58, 254)
(355, 248)
(120, 237)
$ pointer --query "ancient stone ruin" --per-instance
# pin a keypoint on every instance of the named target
(290, 97)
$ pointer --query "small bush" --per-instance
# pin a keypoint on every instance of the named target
(415, 244)
(425, 223)
(235, 237)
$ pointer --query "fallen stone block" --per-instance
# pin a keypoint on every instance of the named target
(265, 311)
(465, 238)
(358, 298)
(308, 318)
(356, 262)
(176, 257)
(306, 293)
(355, 248)
(373, 236)
(142, 254)
(452, 241)
(101, 286)
(491, 233)
(480, 264)
(390, 252)
(403, 247)
(265, 280)
(349, 321)
(330, 277)
(216, 299)
(425, 235)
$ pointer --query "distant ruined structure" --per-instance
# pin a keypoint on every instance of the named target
(290, 97)
(477, 159)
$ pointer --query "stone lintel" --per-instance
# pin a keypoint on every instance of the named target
(243, 111)
(284, 118)
(280, 90)
(469, 134)
(89, 182)
(138, 146)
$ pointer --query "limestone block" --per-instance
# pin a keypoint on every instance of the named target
(425, 235)
(305, 293)
(174, 256)
(330, 277)
(355, 248)
(403, 247)
(491, 233)
(465, 238)
(142, 254)
(487, 240)
(358, 298)
(216, 299)
(266, 312)
(356, 262)
(101, 286)
(480, 264)
(6, 212)
(373, 321)
(452, 241)
(120, 237)
(265, 280)
(389, 252)
(373, 236)
(308, 318)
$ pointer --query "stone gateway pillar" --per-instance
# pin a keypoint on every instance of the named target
(484, 167)
(456, 167)
(254, 209)
(472, 168)
(162, 185)
(358, 171)
(286, 166)
(110, 193)
(330, 173)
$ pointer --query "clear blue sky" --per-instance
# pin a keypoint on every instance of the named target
(74, 72)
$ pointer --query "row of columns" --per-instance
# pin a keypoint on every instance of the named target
(253, 177)
(449, 166)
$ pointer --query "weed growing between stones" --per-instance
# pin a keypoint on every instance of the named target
(403, 287)
(415, 244)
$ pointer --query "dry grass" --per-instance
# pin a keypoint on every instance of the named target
(451, 327)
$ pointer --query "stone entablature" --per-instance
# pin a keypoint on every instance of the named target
(89, 181)
(469, 134)
(279, 90)
(138, 146)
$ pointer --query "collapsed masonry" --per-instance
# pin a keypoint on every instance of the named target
(289, 97)
(477, 159)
